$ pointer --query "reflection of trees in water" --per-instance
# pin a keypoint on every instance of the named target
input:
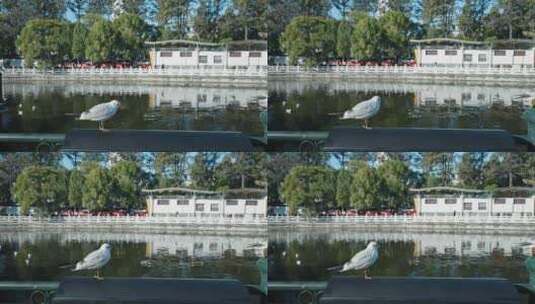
(398, 257)
(179, 266)
(319, 106)
(53, 255)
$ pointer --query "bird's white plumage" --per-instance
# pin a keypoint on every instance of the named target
(364, 110)
(363, 259)
(96, 259)
(101, 112)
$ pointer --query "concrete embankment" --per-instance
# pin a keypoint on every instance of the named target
(517, 79)
(454, 226)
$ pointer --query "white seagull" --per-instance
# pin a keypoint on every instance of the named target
(95, 260)
(362, 260)
(364, 110)
(101, 112)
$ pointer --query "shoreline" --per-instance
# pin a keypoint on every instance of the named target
(242, 81)
(505, 80)
(134, 225)
(429, 226)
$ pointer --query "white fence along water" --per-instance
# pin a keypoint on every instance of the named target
(253, 71)
(404, 219)
(403, 70)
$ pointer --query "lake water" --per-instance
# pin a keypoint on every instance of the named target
(54, 107)
(133, 255)
(317, 105)
(305, 256)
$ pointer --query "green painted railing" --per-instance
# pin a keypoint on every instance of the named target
(309, 292)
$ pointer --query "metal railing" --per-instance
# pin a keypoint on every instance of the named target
(131, 220)
(253, 71)
(405, 219)
(404, 70)
(309, 292)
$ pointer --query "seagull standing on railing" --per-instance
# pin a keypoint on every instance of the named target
(101, 112)
(362, 260)
(364, 110)
(95, 260)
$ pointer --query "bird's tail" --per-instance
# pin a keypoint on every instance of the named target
(78, 267)
(336, 268)
(83, 116)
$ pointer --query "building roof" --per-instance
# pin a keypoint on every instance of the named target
(464, 190)
(445, 188)
(201, 43)
(447, 40)
(198, 191)
(179, 189)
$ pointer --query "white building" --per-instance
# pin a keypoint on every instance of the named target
(456, 201)
(186, 53)
(460, 53)
(184, 202)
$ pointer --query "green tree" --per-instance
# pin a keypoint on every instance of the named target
(76, 185)
(97, 187)
(41, 187)
(396, 28)
(99, 7)
(44, 41)
(471, 170)
(368, 38)
(172, 16)
(126, 178)
(310, 187)
(132, 33)
(471, 20)
(343, 40)
(367, 190)
(79, 34)
(101, 42)
(343, 189)
(395, 174)
(438, 17)
(313, 38)
(366, 6)
(171, 168)
(206, 21)
(203, 170)
(439, 168)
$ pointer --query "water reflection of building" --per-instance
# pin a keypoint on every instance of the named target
(455, 201)
(160, 96)
(208, 98)
(195, 244)
(469, 243)
(475, 97)
(202, 247)
(424, 94)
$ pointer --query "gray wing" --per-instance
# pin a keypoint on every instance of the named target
(100, 111)
(365, 108)
(361, 260)
(94, 259)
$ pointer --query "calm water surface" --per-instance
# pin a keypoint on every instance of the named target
(53, 108)
(317, 105)
(306, 256)
(133, 255)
